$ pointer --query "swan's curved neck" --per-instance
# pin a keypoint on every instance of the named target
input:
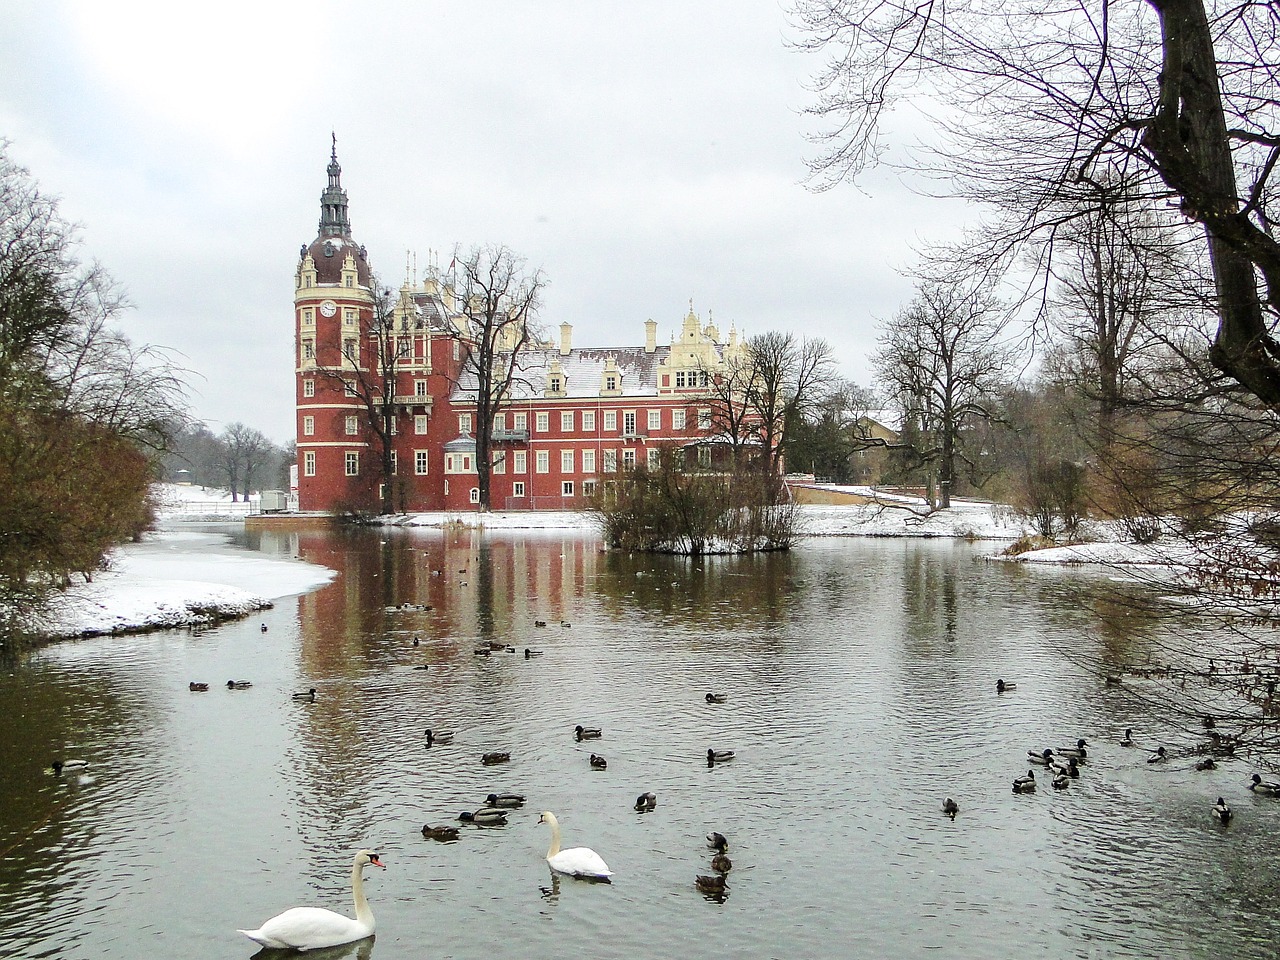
(363, 913)
(555, 838)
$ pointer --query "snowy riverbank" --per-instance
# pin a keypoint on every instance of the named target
(176, 579)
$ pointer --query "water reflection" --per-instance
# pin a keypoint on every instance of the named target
(859, 685)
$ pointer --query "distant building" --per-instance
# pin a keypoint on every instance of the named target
(576, 418)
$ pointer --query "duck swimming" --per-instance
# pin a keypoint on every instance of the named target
(310, 695)
(1060, 782)
(950, 807)
(718, 756)
(197, 687)
(716, 698)
(1265, 788)
(1159, 756)
(60, 765)
(439, 736)
(646, 802)
(238, 684)
(530, 654)
(599, 763)
(1002, 686)
(587, 733)
(1208, 763)
(721, 863)
(485, 817)
(712, 885)
(717, 841)
(1025, 784)
(1128, 737)
(1222, 812)
(489, 759)
(443, 834)
(507, 800)
(1044, 757)
(1078, 751)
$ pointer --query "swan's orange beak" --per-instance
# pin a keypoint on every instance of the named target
(377, 863)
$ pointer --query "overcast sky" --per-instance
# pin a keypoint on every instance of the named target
(642, 154)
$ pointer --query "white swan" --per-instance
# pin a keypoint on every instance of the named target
(306, 928)
(576, 861)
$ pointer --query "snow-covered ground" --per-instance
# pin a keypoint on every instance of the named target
(176, 579)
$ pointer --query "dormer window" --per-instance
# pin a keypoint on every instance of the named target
(611, 381)
(555, 384)
(329, 250)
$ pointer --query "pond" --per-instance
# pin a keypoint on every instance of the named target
(859, 685)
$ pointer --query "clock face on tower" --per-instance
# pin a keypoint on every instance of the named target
(328, 308)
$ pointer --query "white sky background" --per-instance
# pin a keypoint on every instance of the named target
(643, 154)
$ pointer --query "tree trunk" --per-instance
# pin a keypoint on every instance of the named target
(1190, 148)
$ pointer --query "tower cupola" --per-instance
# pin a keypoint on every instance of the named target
(333, 202)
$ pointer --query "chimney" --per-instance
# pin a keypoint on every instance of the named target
(566, 338)
(650, 336)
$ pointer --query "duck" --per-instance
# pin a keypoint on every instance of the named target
(721, 863)
(950, 807)
(485, 817)
(1208, 763)
(530, 654)
(262, 627)
(443, 834)
(482, 652)
(489, 759)
(716, 698)
(1160, 756)
(195, 687)
(717, 841)
(1003, 686)
(1069, 769)
(308, 928)
(587, 733)
(60, 765)
(417, 641)
(1060, 782)
(1078, 751)
(238, 684)
(565, 624)
(599, 763)
(715, 756)
(646, 802)
(423, 666)
(1265, 788)
(309, 695)
(1025, 784)
(1222, 812)
(439, 736)
(539, 623)
(1044, 757)
(711, 885)
(582, 862)
(508, 800)
(1127, 741)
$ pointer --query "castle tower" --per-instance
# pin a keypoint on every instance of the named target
(333, 312)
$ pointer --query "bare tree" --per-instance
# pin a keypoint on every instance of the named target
(498, 299)
(941, 362)
(1176, 99)
(789, 378)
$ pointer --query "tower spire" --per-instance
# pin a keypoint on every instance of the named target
(333, 201)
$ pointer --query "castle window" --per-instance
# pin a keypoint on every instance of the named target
(308, 317)
(353, 463)
(309, 463)
(420, 462)
(566, 461)
(628, 459)
(517, 488)
(702, 378)
(566, 488)
(654, 454)
(521, 421)
(352, 427)
(611, 381)
(677, 419)
(566, 421)
(655, 419)
(475, 494)
(500, 463)
(704, 419)
(419, 388)
(349, 316)
(308, 426)
(308, 350)
(680, 381)
(349, 349)
(589, 421)
(543, 462)
(555, 384)
(588, 488)
(419, 424)
(629, 423)
(521, 462)
(610, 421)
(308, 388)
(348, 388)
(704, 456)
(395, 463)
(542, 421)
(464, 423)
(588, 461)
(610, 461)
